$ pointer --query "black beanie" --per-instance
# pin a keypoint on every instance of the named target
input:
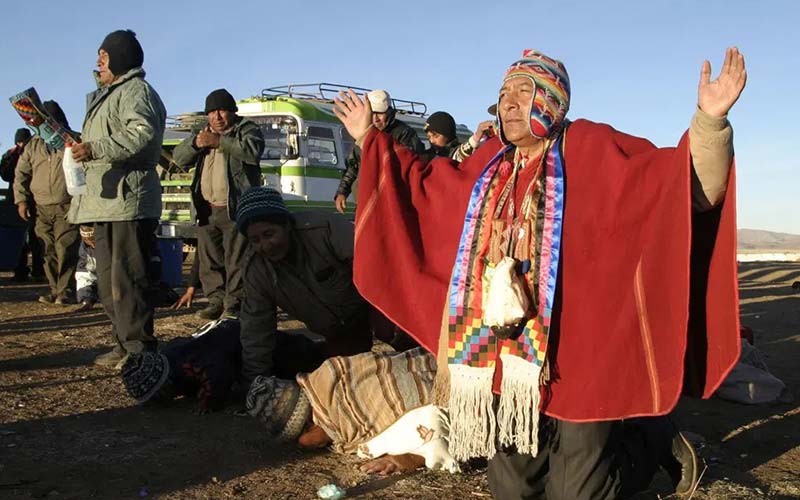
(55, 111)
(442, 123)
(220, 99)
(22, 135)
(124, 51)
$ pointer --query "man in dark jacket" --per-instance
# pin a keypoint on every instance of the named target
(383, 118)
(40, 182)
(32, 245)
(120, 148)
(440, 128)
(302, 263)
(226, 156)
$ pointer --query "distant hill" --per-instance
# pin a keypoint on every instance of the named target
(757, 239)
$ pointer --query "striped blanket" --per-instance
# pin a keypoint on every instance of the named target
(355, 398)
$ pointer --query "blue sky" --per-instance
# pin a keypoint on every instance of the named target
(632, 64)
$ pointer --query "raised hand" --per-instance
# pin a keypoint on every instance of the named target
(718, 96)
(354, 112)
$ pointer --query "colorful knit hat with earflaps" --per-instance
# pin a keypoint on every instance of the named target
(144, 374)
(551, 96)
(281, 404)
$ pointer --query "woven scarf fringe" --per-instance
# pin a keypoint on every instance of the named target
(518, 411)
(472, 418)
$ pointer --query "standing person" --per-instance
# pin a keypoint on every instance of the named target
(384, 117)
(31, 244)
(226, 156)
(39, 182)
(440, 128)
(122, 135)
(624, 296)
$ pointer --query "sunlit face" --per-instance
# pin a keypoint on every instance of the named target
(436, 139)
(221, 120)
(88, 241)
(269, 239)
(380, 120)
(514, 107)
(105, 76)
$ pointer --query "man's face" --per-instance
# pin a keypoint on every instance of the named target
(88, 241)
(220, 120)
(380, 120)
(516, 99)
(436, 139)
(105, 76)
(269, 239)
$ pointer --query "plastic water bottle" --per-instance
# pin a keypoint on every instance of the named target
(73, 173)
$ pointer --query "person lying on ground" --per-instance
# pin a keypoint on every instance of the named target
(204, 366)
(372, 404)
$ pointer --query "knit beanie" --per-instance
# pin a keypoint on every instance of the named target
(124, 51)
(144, 374)
(220, 99)
(258, 202)
(55, 111)
(442, 123)
(87, 231)
(280, 404)
(551, 96)
(22, 135)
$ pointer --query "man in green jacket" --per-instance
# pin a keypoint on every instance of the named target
(39, 182)
(226, 156)
(122, 135)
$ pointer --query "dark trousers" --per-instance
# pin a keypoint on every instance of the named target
(32, 246)
(60, 240)
(584, 461)
(221, 250)
(123, 251)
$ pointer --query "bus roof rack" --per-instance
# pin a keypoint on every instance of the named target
(187, 121)
(325, 92)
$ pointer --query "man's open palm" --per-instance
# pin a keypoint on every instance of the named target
(718, 96)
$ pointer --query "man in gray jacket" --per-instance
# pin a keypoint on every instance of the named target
(226, 156)
(122, 135)
(39, 182)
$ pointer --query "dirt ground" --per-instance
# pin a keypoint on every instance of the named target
(69, 431)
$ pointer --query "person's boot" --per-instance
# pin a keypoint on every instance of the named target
(110, 359)
(48, 298)
(682, 465)
(63, 300)
(212, 311)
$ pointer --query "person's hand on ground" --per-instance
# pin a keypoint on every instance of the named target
(393, 464)
(185, 300)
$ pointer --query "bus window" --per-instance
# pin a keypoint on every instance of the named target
(280, 137)
(322, 147)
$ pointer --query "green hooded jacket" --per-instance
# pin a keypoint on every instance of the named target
(124, 127)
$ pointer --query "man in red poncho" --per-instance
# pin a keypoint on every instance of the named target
(564, 267)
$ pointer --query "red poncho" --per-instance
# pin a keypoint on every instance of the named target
(635, 262)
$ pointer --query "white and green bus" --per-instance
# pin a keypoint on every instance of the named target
(305, 152)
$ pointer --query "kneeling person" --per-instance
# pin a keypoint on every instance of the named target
(302, 263)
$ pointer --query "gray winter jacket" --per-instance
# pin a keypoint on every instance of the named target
(124, 127)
